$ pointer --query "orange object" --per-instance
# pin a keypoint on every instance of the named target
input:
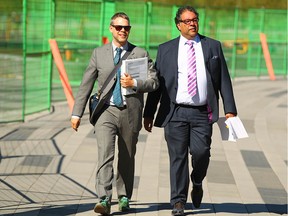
(62, 73)
(68, 54)
(267, 56)
(105, 40)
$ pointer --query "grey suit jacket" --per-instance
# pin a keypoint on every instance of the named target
(218, 81)
(100, 66)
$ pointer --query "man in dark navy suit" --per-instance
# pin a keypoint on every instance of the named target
(188, 118)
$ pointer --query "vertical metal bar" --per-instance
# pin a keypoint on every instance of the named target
(234, 51)
(250, 41)
(202, 23)
(101, 22)
(259, 51)
(51, 24)
(285, 61)
(24, 38)
(174, 30)
(147, 15)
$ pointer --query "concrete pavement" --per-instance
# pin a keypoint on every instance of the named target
(48, 169)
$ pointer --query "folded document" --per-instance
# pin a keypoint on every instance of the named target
(137, 68)
(232, 128)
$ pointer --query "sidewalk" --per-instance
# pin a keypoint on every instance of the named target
(49, 169)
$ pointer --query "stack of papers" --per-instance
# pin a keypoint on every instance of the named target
(137, 68)
(232, 128)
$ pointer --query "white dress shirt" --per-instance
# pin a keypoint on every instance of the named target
(124, 49)
(182, 96)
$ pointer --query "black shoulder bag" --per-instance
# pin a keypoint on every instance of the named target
(95, 104)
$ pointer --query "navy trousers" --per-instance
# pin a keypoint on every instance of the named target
(188, 131)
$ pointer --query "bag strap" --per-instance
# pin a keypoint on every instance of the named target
(111, 75)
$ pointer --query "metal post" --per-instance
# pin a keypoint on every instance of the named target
(234, 51)
(24, 38)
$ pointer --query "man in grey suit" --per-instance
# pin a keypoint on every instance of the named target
(187, 111)
(121, 119)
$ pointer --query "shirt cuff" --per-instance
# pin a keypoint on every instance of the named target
(75, 117)
(135, 84)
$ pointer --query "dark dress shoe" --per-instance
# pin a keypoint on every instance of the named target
(196, 196)
(178, 209)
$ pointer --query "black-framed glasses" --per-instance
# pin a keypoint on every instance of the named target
(189, 21)
(120, 27)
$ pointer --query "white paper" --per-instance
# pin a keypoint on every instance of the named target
(233, 128)
(231, 134)
(137, 68)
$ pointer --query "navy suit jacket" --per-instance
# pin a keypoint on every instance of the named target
(218, 81)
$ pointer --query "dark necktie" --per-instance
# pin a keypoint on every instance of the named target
(117, 96)
(192, 72)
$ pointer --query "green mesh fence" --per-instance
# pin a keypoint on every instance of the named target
(37, 27)
(11, 62)
(29, 79)
(78, 29)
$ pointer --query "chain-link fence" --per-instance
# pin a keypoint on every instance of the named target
(29, 79)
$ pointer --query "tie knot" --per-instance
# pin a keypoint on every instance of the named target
(117, 56)
(190, 43)
(118, 50)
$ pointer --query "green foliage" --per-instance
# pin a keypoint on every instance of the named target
(241, 4)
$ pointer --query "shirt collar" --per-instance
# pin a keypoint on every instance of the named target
(125, 47)
(183, 40)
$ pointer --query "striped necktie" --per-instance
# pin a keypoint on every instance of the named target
(191, 68)
(117, 95)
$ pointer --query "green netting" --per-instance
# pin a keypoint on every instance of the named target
(37, 76)
(137, 12)
(29, 79)
(11, 62)
(276, 32)
(161, 26)
(277, 39)
(77, 31)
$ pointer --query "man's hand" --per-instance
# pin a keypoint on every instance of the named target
(127, 81)
(75, 122)
(228, 115)
(148, 123)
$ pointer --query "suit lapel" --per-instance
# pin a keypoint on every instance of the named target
(211, 95)
(109, 54)
(170, 53)
(205, 48)
(175, 49)
(172, 63)
(130, 50)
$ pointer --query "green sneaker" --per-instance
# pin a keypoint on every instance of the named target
(103, 207)
(124, 204)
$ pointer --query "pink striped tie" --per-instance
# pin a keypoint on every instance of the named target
(192, 73)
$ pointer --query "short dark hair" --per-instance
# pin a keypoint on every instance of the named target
(119, 14)
(183, 9)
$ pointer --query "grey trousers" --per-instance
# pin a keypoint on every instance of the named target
(114, 123)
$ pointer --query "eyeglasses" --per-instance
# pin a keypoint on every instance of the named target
(189, 21)
(119, 27)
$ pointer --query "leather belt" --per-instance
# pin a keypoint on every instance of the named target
(191, 106)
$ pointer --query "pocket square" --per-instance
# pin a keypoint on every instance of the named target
(214, 57)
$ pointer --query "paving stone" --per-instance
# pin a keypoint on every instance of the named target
(49, 169)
